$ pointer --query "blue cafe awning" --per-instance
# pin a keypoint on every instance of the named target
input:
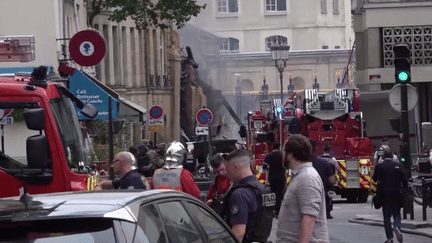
(89, 90)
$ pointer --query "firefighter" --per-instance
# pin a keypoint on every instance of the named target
(172, 175)
(221, 184)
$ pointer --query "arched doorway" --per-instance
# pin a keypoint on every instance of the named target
(247, 85)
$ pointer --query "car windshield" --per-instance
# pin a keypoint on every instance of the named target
(62, 230)
(70, 131)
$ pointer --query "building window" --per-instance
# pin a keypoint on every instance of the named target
(323, 6)
(324, 47)
(230, 45)
(337, 47)
(275, 5)
(227, 6)
(275, 39)
(335, 6)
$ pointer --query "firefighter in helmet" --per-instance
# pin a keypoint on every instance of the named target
(172, 175)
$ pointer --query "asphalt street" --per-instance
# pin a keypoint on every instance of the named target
(341, 230)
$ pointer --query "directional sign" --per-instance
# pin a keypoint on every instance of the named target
(201, 131)
(155, 112)
(87, 47)
(204, 117)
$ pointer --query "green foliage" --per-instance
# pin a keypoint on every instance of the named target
(17, 115)
(99, 130)
(147, 13)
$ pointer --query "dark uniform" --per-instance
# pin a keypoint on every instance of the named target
(245, 204)
(325, 170)
(277, 177)
(131, 180)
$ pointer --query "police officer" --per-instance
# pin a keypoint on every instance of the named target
(244, 209)
(172, 175)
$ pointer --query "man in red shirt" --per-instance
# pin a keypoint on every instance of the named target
(172, 175)
(221, 185)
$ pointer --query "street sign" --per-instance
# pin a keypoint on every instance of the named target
(201, 130)
(5, 112)
(6, 121)
(155, 112)
(204, 117)
(87, 47)
(156, 121)
(395, 97)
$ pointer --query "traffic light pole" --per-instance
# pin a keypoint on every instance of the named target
(405, 148)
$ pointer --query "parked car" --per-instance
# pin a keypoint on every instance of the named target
(112, 216)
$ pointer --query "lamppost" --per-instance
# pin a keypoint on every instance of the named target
(280, 57)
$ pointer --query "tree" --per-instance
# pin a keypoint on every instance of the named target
(147, 13)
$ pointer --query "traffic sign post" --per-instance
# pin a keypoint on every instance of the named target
(204, 117)
(156, 121)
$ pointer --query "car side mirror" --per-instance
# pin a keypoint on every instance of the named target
(35, 119)
(37, 151)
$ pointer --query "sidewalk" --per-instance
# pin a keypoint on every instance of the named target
(416, 226)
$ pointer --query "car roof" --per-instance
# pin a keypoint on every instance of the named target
(106, 204)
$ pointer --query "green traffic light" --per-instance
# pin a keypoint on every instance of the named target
(403, 76)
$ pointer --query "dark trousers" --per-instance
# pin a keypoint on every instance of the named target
(391, 208)
(329, 204)
(277, 186)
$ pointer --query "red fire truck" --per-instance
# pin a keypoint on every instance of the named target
(331, 117)
(41, 141)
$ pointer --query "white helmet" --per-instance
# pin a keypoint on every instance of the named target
(175, 155)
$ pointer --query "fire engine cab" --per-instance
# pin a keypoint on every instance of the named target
(329, 117)
(41, 141)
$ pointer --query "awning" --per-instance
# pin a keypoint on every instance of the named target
(99, 94)
(87, 90)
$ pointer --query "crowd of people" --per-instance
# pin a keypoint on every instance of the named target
(302, 208)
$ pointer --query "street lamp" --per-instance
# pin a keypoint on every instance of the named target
(280, 57)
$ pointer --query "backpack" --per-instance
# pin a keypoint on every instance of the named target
(258, 228)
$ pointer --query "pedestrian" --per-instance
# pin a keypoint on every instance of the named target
(302, 217)
(276, 174)
(172, 175)
(221, 185)
(130, 179)
(327, 175)
(331, 178)
(245, 209)
(391, 181)
(379, 153)
(145, 167)
(328, 156)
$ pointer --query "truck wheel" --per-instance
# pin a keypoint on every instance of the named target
(363, 197)
(351, 197)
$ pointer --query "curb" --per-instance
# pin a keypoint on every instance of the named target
(378, 223)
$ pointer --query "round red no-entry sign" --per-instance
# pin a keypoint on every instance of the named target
(204, 117)
(87, 47)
